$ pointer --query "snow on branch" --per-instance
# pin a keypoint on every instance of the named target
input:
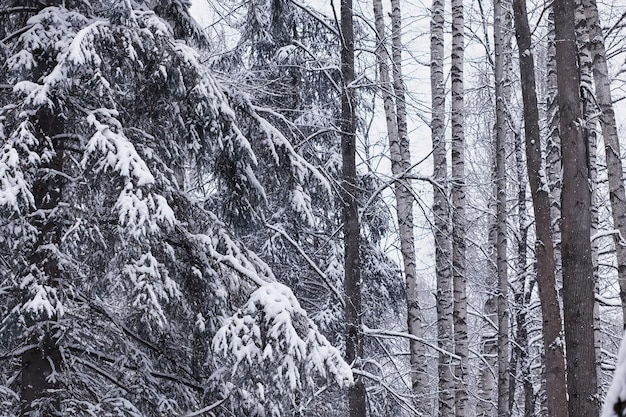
(140, 213)
(299, 164)
(140, 210)
(14, 155)
(273, 331)
(119, 153)
(224, 250)
(152, 287)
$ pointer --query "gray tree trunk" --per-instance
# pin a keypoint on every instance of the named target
(556, 391)
(501, 241)
(553, 153)
(441, 213)
(402, 161)
(578, 283)
(617, 195)
(458, 212)
(520, 364)
(351, 228)
(589, 111)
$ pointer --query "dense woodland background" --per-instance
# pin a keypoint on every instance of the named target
(292, 209)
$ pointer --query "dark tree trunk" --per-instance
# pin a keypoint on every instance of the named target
(351, 230)
(37, 390)
(578, 283)
(556, 393)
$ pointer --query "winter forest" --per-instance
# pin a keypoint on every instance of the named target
(324, 208)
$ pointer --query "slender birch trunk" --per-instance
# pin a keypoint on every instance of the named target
(458, 212)
(553, 153)
(441, 213)
(395, 115)
(351, 227)
(519, 365)
(501, 242)
(487, 385)
(617, 195)
(405, 210)
(487, 390)
(578, 283)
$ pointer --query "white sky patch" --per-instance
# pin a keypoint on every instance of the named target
(201, 11)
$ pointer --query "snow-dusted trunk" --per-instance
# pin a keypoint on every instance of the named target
(617, 195)
(401, 163)
(487, 385)
(589, 111)
(501, 239)
(553, 152)
(556, 392)
(43, 356)
(441, 213)
(458, 212)
(578, 282)
(351, 229)
(520, 366)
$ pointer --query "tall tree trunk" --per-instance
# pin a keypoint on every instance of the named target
(553, 153)
(578, 283)
(458, 212)
(485, 406)
(501, 243)
(617, 195)
(351, 228)
(43, 357)
(520, 370)
(556, 391)
(402, 161)
(589, 111)
(441, 213)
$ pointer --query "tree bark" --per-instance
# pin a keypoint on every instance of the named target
(404, 196)
(351, 232)
(556, 391)
(578, 283)
(553, 155)
(441, 214)
(458, 213)
(519, 365)
(617, 195)
(501, 241)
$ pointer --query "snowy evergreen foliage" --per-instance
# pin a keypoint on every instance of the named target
(115, 273)
(286, 67)
(272, 336)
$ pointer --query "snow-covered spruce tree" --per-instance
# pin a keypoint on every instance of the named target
(115, 276)
(286, 68)
(287, 60)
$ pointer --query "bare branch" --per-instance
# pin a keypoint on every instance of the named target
(324, 277)
(208, 408)
(393, 333)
